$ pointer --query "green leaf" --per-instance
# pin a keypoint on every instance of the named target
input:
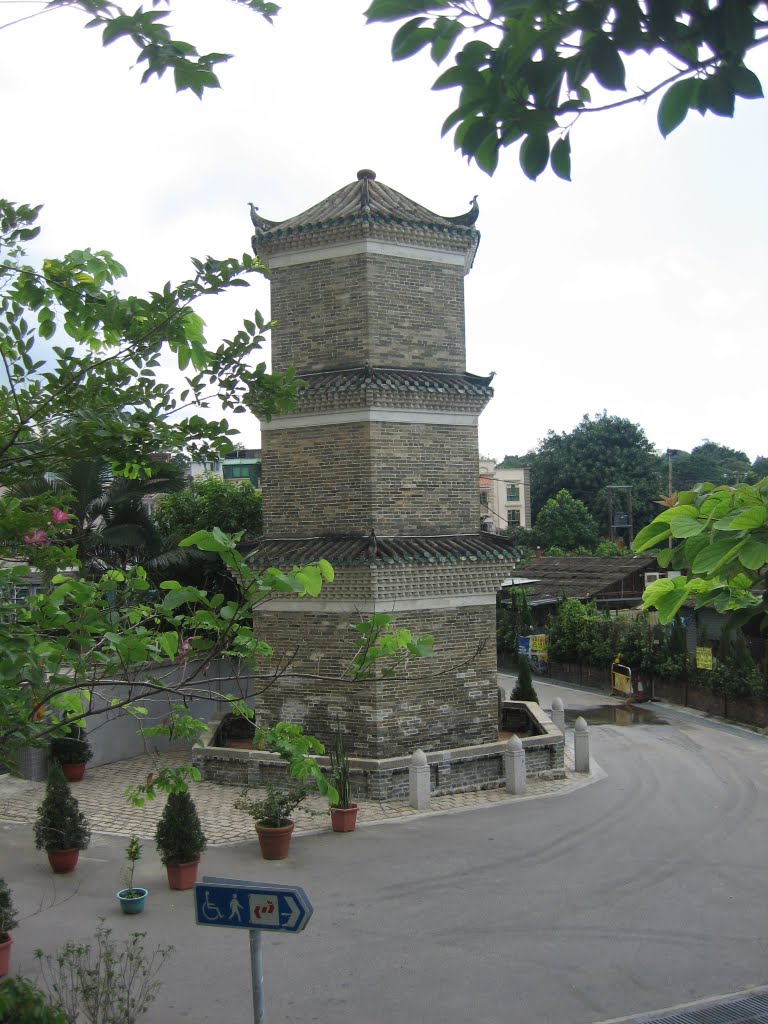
(169, 642)
(754, 555)
(750, 518)
(410, 38)
(393, 10)
(677, 512)
(607, 65)
(326, 569)
(650, 536)
(746, 83)
(675, 105)
(204, 540)
(719, 95)
(534, 155)
(487, 153)
(670, 605)
(447, 31)
(713, 556)
(683, 526)
(463, 75)
(560, 158)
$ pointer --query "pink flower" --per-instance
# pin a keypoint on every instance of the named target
(57, 516)
(185, 646)
(37, 538)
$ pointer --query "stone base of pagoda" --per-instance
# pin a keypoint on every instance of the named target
(452, 770)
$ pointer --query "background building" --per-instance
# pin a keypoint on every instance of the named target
(505, 497)
(241, 464)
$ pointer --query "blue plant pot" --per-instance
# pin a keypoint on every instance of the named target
(132, 904)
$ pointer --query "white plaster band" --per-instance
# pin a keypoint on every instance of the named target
(405, 604)
(370, 415)
(365, 246)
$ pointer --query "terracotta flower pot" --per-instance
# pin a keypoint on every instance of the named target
(344, 819)
(182, 876)
(73, 772)
(5, 953)
(63, 861)
(274, 842)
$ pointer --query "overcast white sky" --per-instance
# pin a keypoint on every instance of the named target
(638, 289)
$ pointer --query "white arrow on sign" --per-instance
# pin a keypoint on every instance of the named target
(295, 911)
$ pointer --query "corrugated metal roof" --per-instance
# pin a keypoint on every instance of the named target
(349, 549)
(580, 577)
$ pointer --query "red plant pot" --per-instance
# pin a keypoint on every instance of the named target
(73, 772)
(5, 953)
(274, 842)
(63, 861)
(182, 876)
(344, 819)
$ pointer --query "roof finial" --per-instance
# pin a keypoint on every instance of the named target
(466, 219)
(366, 174)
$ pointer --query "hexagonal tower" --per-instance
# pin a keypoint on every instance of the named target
(376, 470)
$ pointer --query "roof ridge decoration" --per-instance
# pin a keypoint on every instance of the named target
(368, 201)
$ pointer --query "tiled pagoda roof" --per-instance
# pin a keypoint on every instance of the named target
(377, 378)
(365, 200)
(357, 549)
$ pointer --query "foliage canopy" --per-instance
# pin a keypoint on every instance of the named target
(532, 68)
(717, 537)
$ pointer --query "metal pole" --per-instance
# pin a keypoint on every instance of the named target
(257, 975)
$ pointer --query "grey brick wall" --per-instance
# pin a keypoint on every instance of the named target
(448, 700)
(368, 309)
(394, 478)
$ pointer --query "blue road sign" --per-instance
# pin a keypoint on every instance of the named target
(233, 903)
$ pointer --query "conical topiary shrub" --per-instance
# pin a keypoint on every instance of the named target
(61, 827)
(180, 840)
(524, 686)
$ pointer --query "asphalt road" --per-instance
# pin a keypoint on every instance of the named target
(642, 891)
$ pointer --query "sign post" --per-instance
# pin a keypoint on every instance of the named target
(257, 906)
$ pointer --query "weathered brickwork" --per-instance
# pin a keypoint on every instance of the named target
(368, 309)
(394, 478)
(450, 771)
(450, 700)
(379, 587)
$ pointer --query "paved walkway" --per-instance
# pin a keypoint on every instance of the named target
(101, 796)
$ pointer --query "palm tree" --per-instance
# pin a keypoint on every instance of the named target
(112, 526)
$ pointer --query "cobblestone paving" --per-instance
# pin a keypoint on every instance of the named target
(101, 796)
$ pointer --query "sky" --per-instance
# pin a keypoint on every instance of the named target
(637, 289)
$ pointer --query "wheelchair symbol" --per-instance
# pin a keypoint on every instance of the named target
(209, 910)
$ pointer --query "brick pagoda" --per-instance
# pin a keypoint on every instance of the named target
(376, 470)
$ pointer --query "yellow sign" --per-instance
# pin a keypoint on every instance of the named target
(704, 658)
(621, 679)
(539, 643)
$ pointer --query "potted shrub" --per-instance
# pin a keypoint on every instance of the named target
(271, 815)
(132, 897)
(72, 752)
(61, 829)
(180, 840)
(7, 923)
(343, 813)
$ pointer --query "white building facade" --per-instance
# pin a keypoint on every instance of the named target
(505, 497)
